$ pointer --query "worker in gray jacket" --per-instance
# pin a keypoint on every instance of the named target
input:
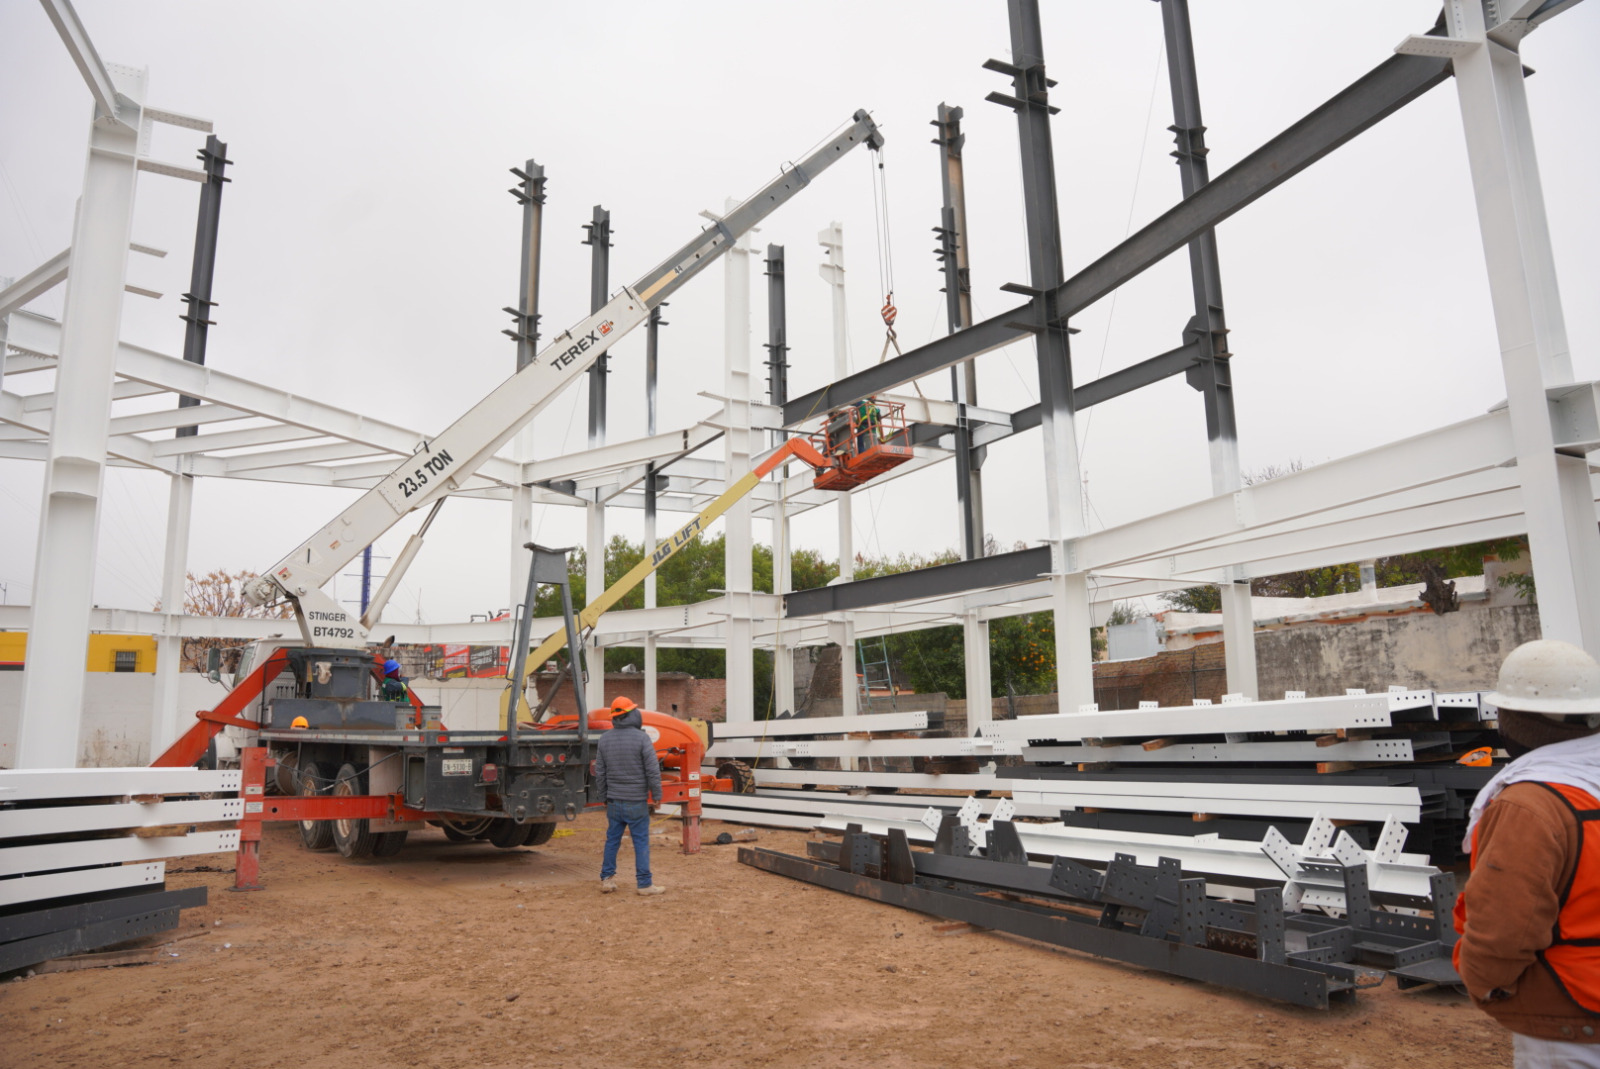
(628, 776)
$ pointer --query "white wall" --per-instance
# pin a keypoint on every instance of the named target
(116, 714)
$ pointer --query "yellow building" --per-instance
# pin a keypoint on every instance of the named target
(107, 653)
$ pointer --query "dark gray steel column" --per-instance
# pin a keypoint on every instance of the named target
(1030, 101)
(1208, 328)
(777, 329)
(530, 193)
(953, 254)
(599, 286)
(652, 341)
(198, 300)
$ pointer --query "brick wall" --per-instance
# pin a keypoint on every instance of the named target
(677, 693)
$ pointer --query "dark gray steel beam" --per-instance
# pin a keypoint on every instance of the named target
(953, 254)
(599, 286)
(1369, 100)
(1373, 97)
(197, 301)
(529, 192)
(1172, 362)
(943, 580)
(937, 355)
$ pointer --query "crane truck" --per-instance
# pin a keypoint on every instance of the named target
(357, 774)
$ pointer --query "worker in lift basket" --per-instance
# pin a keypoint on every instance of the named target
(1529, 916)
(628, 776)
(867, 420)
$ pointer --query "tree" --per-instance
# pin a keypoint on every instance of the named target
(220, 593)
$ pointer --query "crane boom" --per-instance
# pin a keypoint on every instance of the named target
(444, 463)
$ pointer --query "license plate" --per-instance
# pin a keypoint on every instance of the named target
(457, 766)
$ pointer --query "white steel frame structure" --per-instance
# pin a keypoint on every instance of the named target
(1523, 468)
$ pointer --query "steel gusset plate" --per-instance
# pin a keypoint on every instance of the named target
(1283, 982)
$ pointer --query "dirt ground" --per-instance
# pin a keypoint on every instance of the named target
(464, 955)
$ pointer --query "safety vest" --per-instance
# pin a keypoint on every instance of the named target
(1573, 956)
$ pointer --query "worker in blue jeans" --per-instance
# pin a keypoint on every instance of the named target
(628, 776)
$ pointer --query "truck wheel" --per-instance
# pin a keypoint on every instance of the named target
(541, 833)
(352, 837)
(310, 780)
(388, 843)
(507, 834)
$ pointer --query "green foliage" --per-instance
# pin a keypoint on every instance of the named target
(1194, 599)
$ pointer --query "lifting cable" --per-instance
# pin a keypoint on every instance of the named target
(880, 214)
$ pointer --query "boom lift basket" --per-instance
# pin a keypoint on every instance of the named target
(863, 441)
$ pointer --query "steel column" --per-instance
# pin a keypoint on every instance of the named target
(652, 481)
(738, 447)
(1063, 480)
(599, 240)
(975, 645)
(953, 254)
(198, 299)
(530, 193)
(1532, 333)
(777, 394)
(166, 726)
(1207, 332)
(842, 629)
(63, 585)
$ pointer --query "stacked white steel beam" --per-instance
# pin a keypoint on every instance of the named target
(1303, 730)
(77, 808)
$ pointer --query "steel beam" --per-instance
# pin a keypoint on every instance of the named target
(87, 60)
(34, 284)
(1002, 569)
(1367, 101)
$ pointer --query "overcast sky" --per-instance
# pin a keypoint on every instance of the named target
(368, 244)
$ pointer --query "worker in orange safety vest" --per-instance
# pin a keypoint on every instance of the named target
(1529, 916)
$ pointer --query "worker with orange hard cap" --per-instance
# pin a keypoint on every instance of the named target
(628, 776)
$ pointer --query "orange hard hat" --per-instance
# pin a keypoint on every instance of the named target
(299, 722)
(623, 705)
(1482, 757)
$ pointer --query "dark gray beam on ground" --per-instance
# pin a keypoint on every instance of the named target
(1369, 100)
(942, 580)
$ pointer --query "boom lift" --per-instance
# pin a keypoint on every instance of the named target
(363, 772)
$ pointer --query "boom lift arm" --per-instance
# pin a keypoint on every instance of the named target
(444, 463)
(794, 448)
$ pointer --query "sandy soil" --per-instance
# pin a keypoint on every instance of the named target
(454, 955)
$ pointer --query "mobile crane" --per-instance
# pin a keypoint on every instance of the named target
(359, 774)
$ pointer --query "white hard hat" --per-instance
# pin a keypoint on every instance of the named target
(1548, 676)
